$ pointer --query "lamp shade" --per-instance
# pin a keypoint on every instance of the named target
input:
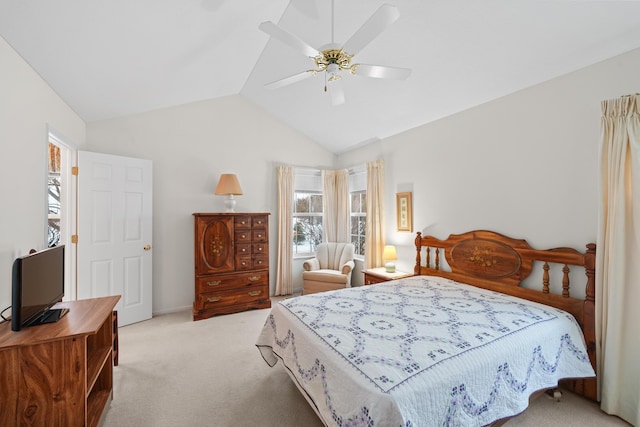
(389, 253)
(228, 184)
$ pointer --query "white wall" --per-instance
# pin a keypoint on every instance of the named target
(190, 146)
(27, 107)
(525, 165)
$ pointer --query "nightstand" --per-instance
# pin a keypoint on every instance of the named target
(378, 275)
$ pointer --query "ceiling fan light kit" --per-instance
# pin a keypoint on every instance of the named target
(336, 57)
(333, 59)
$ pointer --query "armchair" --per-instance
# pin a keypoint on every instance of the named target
(330, 269)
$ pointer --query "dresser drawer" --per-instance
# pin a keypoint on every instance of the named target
(259, 221)
(252, 262)
(370, 279)
(243, 249)
(243, 236)
(244, 262)
(242, 222)
(260, 248)
(261, 261)
(259, 236)
(237, 281)
(211, 300)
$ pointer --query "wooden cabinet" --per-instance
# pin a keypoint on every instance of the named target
(59, 374)
(231, 263)
(378, 275)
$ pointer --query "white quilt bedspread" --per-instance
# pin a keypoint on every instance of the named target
(421, 351)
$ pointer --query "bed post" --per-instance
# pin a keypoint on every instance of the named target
(416, 269)
(589, 318)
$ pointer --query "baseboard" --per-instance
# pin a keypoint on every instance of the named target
(171, 310)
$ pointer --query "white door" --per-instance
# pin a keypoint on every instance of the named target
(114, 232)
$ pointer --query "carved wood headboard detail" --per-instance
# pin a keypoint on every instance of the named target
(493, 261)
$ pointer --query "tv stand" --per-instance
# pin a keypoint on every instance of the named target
(59, 373)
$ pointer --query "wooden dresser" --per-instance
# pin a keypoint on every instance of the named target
(59, 374)
(231, 263)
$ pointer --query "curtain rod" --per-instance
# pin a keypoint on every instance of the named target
(357, 168)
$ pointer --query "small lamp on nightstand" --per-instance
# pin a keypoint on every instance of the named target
(389, 255)
(229, 186)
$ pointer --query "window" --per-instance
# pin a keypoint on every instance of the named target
(53, 196)
(358, 193)
(307, 211)
(307, 222)
(358, 220)
(308, 214)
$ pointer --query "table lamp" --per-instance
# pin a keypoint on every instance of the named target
(229, 186)
(389, 255)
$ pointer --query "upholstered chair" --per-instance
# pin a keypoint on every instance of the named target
(330, 269)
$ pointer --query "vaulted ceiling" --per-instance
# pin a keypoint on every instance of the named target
(114, 58)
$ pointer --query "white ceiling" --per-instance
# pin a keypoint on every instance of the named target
(113, 58)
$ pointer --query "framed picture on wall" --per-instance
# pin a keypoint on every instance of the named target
(403, 212)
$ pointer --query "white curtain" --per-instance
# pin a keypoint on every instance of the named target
(374, 233)
(618, 260)
(286, 187)
(336, 210)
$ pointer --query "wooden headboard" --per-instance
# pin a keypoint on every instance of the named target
(493, 261)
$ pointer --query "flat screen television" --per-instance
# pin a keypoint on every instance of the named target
(37, 284)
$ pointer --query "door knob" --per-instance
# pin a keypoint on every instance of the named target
(147, 247)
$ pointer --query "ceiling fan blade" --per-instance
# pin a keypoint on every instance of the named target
(376, 24)
(382, 72)
(336, 92)
(289, 39)
(289, 80)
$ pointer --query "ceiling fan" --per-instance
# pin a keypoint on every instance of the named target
(333, 60)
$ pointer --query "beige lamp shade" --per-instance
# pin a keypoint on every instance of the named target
(229, 186)
(389, 254)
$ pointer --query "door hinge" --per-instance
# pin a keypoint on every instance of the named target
(74, 238)
(74, 170)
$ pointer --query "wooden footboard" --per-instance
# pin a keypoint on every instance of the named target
(493, 261)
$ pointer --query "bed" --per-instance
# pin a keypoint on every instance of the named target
(460, 343)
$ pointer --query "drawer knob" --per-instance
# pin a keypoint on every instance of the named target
(255, 293)
(254, 278)
(214, 283)
(213, 299)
